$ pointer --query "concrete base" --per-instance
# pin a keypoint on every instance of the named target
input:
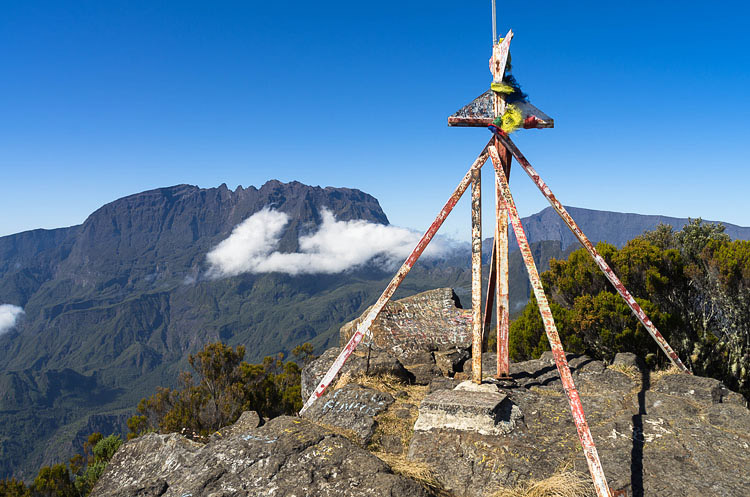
(481, 411)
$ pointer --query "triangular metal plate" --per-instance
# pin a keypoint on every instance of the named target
(480, 113)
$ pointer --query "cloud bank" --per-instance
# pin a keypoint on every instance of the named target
(9, 315)
(336, 247)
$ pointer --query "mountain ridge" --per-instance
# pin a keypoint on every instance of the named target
(597, 225)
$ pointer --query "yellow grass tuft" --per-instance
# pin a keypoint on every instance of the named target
(384, 382)
(562, 484)
(631, 372)
(658, 375)
(415, 470)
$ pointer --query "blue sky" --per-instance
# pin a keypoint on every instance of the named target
(103, 99)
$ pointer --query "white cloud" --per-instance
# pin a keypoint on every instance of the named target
(9, 315)
(334, 248)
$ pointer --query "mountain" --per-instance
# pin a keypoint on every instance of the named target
(603, 226)
(114, 306)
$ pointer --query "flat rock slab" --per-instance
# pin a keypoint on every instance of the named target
(352, 407)
(286, 457)
(487, 413)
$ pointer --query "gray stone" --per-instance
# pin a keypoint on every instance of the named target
(428, 321)
(630, 359)
(705, 391)
(450, 362)
(378, 363)
(391, 444)
(470, 386)
(442, 383)
(676, 435)
(284, 458)
(352, 407)
(246, 421)
(487, 413)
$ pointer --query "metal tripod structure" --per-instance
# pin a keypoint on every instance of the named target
(500, 150)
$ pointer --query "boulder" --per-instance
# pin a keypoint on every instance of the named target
(450, 362)
(352, 407)
(246, 421)
(629, 359)
(285, 457)
(412, 328)
(376, 363)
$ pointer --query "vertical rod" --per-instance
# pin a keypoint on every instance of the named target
(476, 274)
(584, 434)
(494, 24)
(489, 299)
(501, 246)
(611, 276)
(364, 326)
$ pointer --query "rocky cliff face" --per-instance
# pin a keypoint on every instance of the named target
(658, 434)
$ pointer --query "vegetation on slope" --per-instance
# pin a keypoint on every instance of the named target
(694, 284)
(221, 387)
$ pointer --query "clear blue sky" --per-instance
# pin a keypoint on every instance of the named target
(103, 99)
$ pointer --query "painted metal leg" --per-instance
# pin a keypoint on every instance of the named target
(501, 261)
(584, 434)
(611, 276)
(364, 326)
(489, 300)
(476, 275)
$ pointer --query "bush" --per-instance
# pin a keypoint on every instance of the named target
(694, 284)
(220, 389)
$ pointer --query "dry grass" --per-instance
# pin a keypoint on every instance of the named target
(550, 392)
(385, 382)
(658, 375)
(406, 397)
(416, 470)
(631, 372)
(562, 484)
(394, 422)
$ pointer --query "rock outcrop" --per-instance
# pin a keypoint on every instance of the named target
(359, 363)
(657, 434)
(353, 408)
(285, 457)
(429, 332)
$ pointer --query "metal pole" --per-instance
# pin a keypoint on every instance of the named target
(494, 24)
(476, 274)
(584, 434)
(501, 261)
(396, 281)
(611, 276)
(489, 299)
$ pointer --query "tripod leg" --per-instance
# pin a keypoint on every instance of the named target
(489, 299)
(611, 276)
(476, 275)
(584, 434)
(501, 261)
(396, 281)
